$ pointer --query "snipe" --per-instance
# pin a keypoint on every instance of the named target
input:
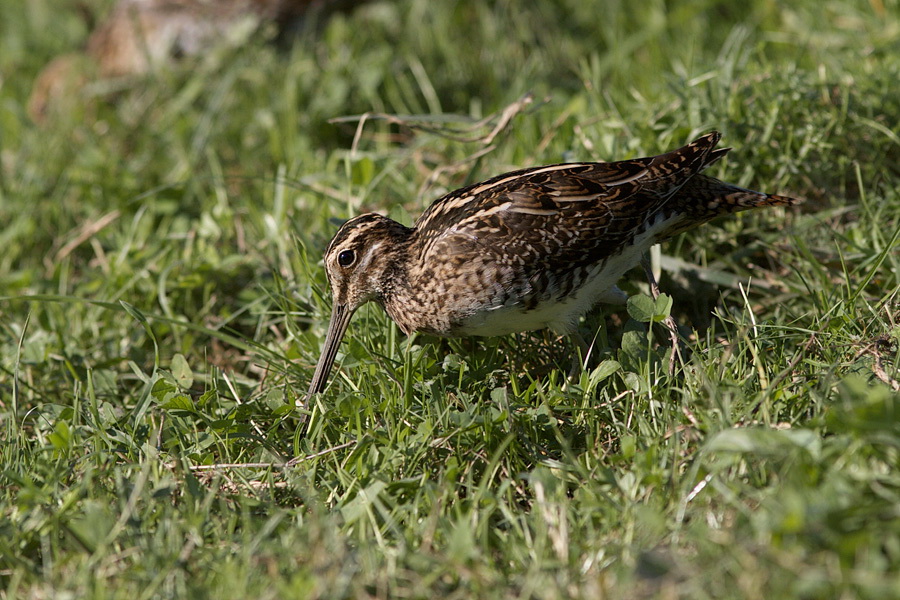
(525, 250)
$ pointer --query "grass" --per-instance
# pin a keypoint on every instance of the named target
(162, 304)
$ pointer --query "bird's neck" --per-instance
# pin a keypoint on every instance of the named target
(394, 290)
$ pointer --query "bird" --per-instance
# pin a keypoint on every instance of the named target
(526, 250)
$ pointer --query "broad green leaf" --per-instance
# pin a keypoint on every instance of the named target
(179, 402)
(162, 388)
(184, 377)
(662, 308)
(61, 438)
(604, 370)
(641, 308)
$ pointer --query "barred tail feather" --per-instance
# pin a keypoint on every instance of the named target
(776, 200)
(705, 197)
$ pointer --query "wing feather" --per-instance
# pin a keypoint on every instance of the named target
(576, 213)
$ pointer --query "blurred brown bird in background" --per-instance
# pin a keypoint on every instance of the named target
(141, 35)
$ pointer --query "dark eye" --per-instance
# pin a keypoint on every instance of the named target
(346, 258)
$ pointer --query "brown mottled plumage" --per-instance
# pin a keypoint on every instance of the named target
(525, 250)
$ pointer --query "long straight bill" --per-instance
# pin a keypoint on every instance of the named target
(340, 317)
